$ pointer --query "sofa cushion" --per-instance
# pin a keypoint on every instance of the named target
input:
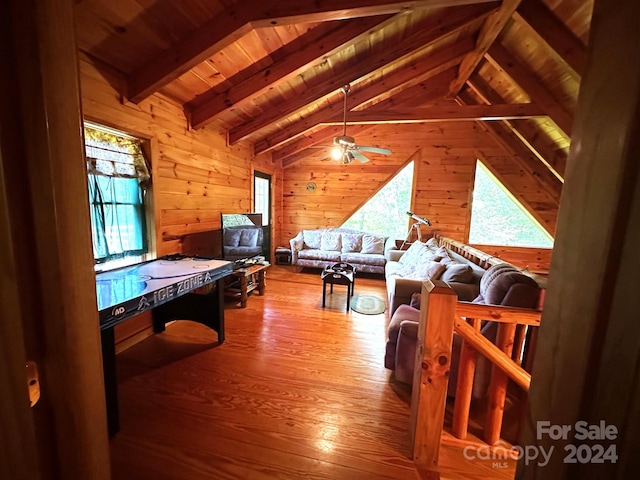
(393, 268)
(372, 244)
(364, 259)
(457, 272)
(351, 242)
(413, 253)
(248, 237)
(312, 238)
(443, 255)
(404, 312)
(330, 241)
(231, 237)
(315, 254)
(428, 270)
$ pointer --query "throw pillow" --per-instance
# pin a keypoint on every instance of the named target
(351, 242)
(427, 271)
(443, 253)
(432, 243)
(457, 272)
(231, 237)
(330, 241)
(415, 250)
(298, 243)
(372, 244)
(430, 270)
(312, 238)
(249, 237)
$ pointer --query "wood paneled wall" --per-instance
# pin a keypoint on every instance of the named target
(196, 176)
(535, 260)
(445, 156)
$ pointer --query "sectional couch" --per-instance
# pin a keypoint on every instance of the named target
(406, 270)
(499, 284)
(325, 246)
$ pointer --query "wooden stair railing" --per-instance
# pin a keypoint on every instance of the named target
(441, 314)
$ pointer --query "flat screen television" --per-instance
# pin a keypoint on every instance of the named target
(242, 236)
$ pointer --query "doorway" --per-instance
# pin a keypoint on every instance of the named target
(262, 204)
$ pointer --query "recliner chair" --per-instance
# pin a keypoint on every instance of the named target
(502, 284)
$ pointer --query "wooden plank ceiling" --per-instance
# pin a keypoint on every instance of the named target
(270, 72)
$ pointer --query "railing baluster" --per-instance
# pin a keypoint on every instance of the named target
(498, 386)
(464, 389)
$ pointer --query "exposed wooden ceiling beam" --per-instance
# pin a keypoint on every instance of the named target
(416, 95)
(555, 33)
(425, 34)
(545, 149)
(492, 27)
(232, 24)
(443, 113)
(300, 54)
(530, 83)
(419, 70)
(520, 153)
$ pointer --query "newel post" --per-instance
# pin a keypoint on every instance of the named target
(431, 372)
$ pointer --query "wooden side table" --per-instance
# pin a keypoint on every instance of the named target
(249, 279)
(338, 276)
(283, 256)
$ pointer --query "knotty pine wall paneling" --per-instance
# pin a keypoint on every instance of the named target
(445, 156)
(195, 175)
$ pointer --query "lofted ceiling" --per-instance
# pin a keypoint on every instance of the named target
(270, 72)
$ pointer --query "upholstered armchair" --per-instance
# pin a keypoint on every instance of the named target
(502, 284)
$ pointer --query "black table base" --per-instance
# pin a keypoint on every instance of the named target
(207, 309)
(337, 277)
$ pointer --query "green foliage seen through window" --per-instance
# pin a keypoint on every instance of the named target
(385, 213)
(498, 219)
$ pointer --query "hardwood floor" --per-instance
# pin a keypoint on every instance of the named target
(295, 391)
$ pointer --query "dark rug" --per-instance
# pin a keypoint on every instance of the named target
(367, 304)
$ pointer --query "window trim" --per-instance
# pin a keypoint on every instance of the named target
(148, 145)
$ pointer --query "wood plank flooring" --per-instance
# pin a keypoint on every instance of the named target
(295, 391)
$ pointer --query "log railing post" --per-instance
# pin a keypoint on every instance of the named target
(498, 386)
(431, 372)
(464, 389)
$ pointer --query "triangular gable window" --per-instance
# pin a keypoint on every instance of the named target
(497, 218)
(386, 212)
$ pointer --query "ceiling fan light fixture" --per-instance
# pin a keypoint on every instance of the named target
(336, 153)
(347, 157)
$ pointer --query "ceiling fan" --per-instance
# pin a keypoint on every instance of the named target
(344, 148)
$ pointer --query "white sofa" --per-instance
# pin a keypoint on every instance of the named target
(325, 246)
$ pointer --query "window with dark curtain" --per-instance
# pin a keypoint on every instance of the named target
(118, 177)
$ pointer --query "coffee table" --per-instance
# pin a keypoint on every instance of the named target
(338, 274)
(250, 278)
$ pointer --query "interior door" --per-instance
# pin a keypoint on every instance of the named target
(262, 204)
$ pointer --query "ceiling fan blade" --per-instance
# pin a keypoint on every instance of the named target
(358, 156)
(381, 151)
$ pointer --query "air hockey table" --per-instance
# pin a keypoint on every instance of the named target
(166, 287)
